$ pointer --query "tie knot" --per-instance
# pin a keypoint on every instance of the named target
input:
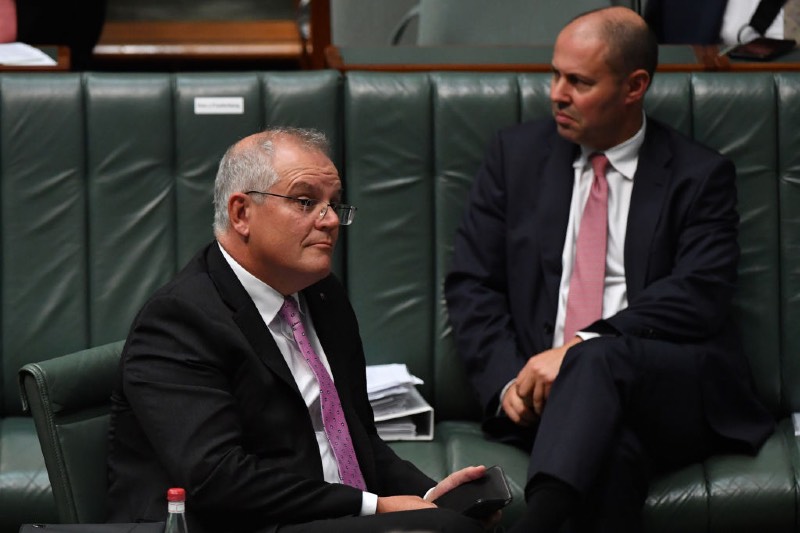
(289, 312)
(599, 164)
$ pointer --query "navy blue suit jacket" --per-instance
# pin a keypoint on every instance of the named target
(680, 259)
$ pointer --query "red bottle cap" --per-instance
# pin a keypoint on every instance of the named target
(176, 495)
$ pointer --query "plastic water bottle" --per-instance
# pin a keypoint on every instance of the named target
(176, 520)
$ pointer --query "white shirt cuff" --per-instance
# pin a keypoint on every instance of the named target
(746, 34)
(500, 398)
(369, 504)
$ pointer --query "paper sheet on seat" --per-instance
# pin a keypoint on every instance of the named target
(24, 55)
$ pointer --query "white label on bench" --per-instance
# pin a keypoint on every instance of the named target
(219, 105)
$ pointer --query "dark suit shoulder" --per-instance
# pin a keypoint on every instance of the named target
(682, 148)
(539, 128)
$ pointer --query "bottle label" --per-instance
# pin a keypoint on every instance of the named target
(175, 507)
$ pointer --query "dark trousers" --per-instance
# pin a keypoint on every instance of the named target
(620, 410)
(422, 521)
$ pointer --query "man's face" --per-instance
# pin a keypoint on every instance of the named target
(292, 248)
(588, 99)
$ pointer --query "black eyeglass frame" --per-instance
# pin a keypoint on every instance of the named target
(345, 213)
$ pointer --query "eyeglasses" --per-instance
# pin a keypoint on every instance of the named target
(346, 213)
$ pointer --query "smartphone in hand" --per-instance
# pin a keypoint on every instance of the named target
(479, 498)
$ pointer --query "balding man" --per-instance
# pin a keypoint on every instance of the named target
(590, 289)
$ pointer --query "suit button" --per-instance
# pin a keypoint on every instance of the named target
(548, 328)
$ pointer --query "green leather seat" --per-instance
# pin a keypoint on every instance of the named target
(69, 399)
(105, 192)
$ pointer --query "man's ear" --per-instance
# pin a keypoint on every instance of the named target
(239, 205)
(638, 82)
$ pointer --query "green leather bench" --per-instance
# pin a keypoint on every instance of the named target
(105, 191)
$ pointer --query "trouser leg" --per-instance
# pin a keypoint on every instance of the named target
(421, 521)
(606, 389)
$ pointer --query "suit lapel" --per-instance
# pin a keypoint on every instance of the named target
(337, 336)
(647, 198)
(551, 224)
(329, 331)
(247, 316)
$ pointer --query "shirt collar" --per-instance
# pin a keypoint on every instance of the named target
(624, 157)
(268, 301)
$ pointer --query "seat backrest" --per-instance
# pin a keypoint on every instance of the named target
(107, 185)
(69, 399)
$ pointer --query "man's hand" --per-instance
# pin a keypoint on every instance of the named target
(515, 407)
(391, 504)
(534, 381)
(455, 479)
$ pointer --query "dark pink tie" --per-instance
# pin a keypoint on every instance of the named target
(332, 415)
(8, 21)
(585, 298)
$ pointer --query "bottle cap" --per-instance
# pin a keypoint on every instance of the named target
(176, 495)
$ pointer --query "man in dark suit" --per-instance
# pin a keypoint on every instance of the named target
(653, 377)
(218, 392)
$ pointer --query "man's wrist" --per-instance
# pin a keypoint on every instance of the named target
(503, 391)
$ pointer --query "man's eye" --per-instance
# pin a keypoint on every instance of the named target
(306, 202)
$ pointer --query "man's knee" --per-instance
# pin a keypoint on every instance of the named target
(592, 355)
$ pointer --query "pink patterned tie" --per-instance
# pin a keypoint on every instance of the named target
(332, 414)
(8, 21)
(585, 299)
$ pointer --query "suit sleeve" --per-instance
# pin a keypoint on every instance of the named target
(476, 287)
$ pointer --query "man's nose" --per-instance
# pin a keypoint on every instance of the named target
(558, 93)
(328, 216)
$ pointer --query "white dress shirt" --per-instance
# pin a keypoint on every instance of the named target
(268, 301)
(623, 160)
(736, 23)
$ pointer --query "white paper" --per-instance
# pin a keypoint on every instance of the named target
(24, 55)
(385, 377)
(400, 411)
(408, 404)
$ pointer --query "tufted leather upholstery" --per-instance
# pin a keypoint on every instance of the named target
(105, 191)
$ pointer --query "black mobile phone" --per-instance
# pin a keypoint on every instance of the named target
(762, 49)
(480, 497)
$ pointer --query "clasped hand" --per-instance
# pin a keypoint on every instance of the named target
(527, 395)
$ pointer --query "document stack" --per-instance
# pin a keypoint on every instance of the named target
(401, 413)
